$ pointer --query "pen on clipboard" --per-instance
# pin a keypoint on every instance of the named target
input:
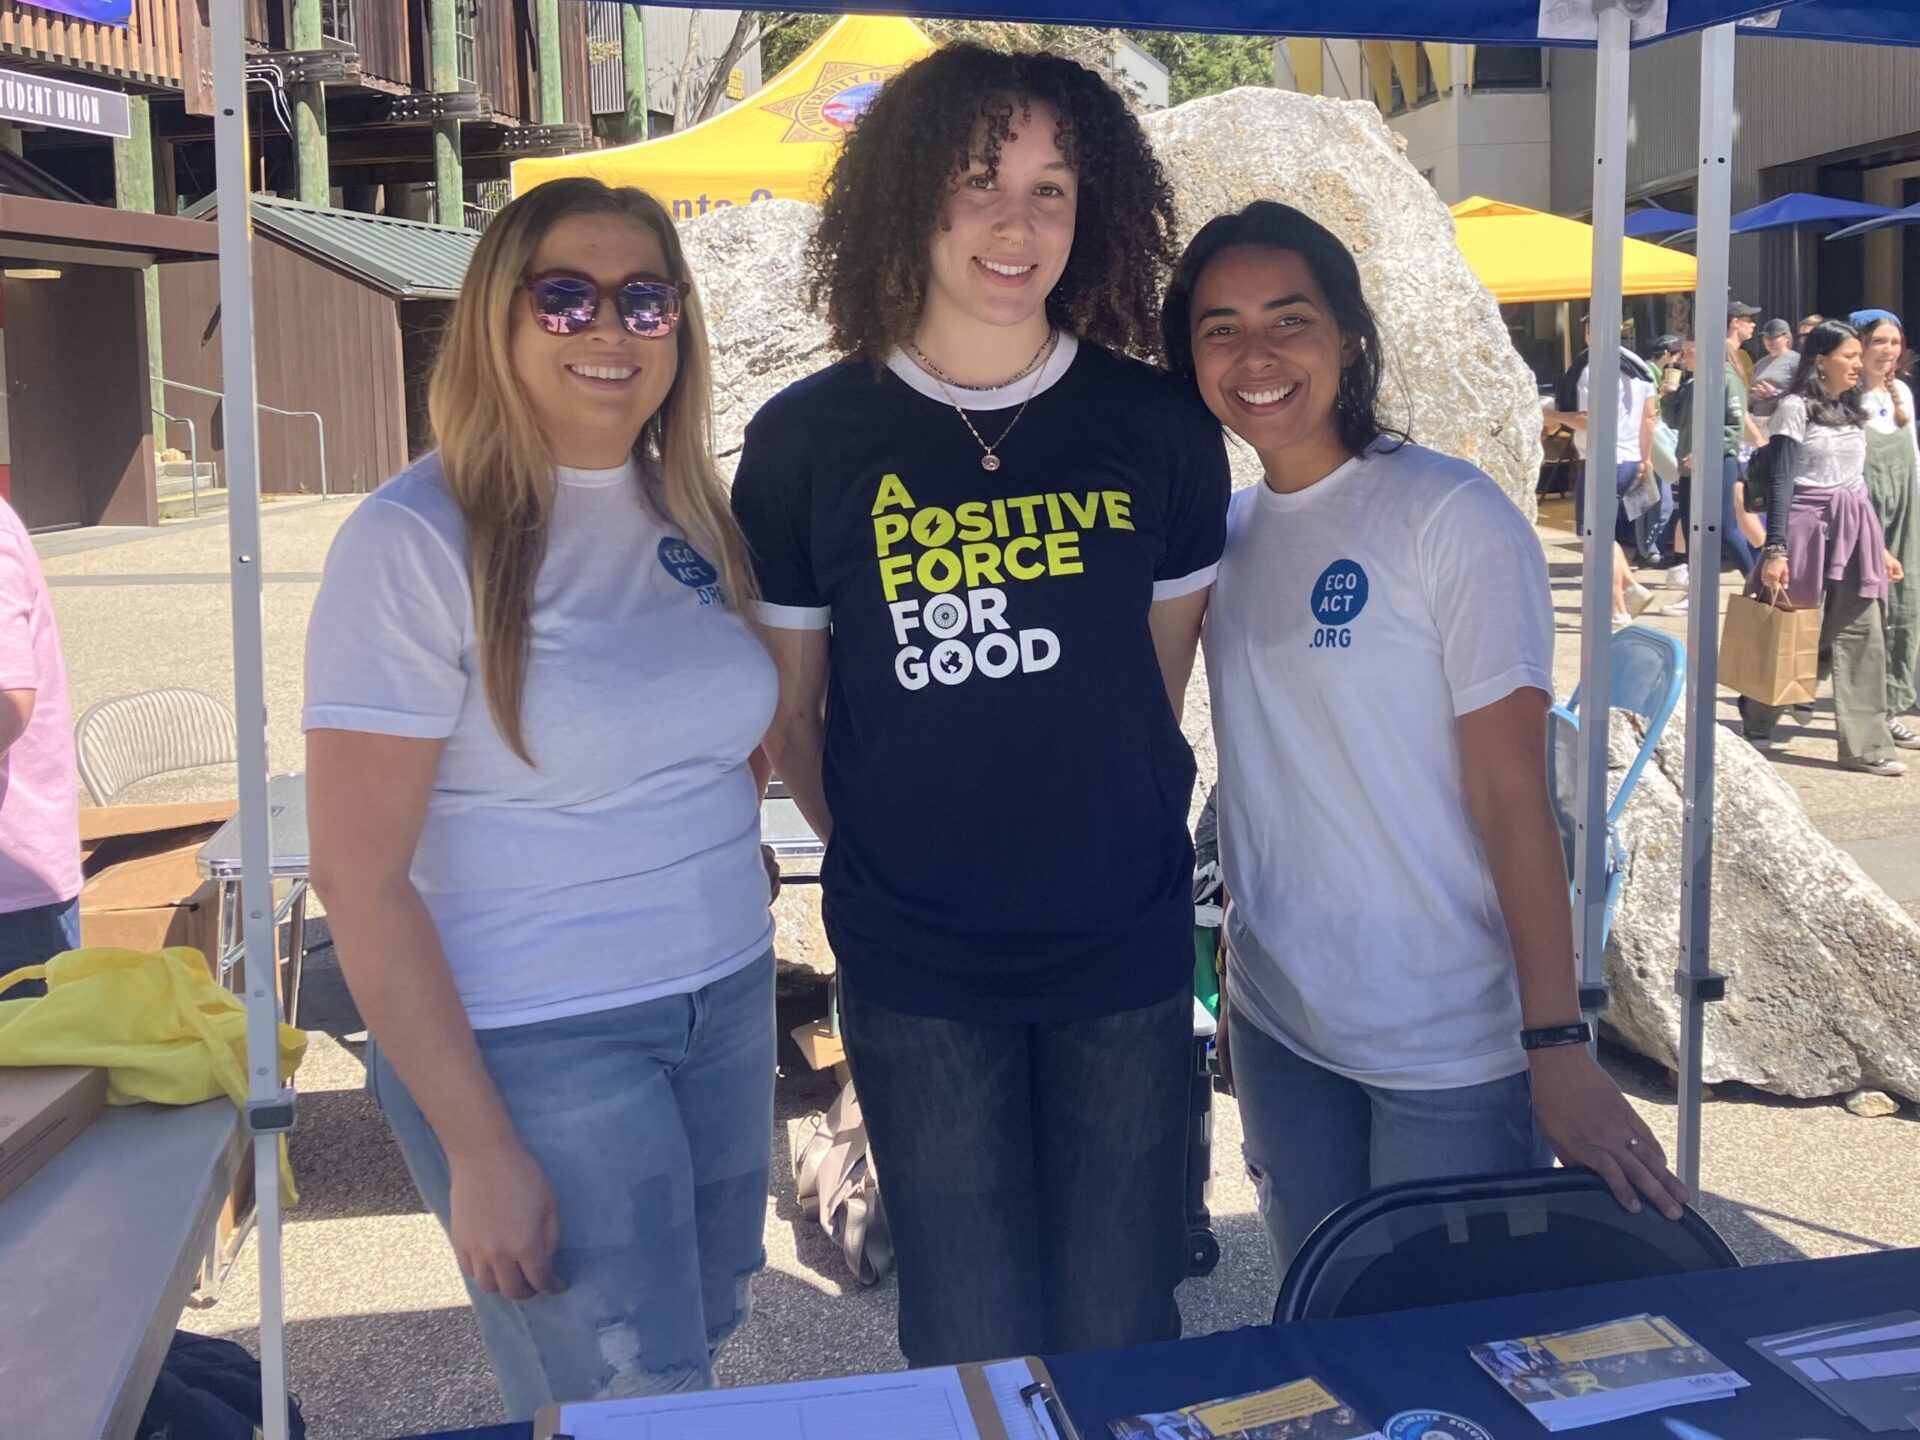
(1049, 1415)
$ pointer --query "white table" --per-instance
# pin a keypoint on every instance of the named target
(98, 1252)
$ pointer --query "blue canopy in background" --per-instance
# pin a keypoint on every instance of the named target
(1908, 216)
(1469, 22)
(1653, 221)
(1859, 22)
(1799, 208)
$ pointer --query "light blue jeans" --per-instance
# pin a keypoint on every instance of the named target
(654, 1123)
(1314, 1140)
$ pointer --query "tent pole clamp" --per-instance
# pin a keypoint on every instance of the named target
(1703, 988)
(270, 1117)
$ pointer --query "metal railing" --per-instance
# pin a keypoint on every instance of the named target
(314, 415)
(193, 451)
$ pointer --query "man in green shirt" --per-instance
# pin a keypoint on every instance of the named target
(1737, 430)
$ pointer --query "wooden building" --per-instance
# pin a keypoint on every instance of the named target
(347, 310)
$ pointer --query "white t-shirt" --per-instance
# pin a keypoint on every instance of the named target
(1350, 624)
(1832, 457)
(1882, 415)
(1635, 392)
(627, 865)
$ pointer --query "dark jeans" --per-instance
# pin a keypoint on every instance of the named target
(28, 937)
(1627, 532)
(1033, 1175)
(1735, 552)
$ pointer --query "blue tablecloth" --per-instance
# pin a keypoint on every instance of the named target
(1417, 1359)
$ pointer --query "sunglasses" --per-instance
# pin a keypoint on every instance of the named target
(566, 302)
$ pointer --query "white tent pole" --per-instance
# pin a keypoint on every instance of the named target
(1695, 979)
(269, 1109)
(1614, 42)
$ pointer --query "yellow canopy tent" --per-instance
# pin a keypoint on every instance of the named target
(1524, 255)
(777, 144)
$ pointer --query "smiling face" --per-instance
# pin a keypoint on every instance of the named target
(1884, 345)
(1004, 240)
(1267, 354)
(592, 393)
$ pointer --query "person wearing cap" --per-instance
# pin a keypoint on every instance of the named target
(1740, 323)
(1774, 374)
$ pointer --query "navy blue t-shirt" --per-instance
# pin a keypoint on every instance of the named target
(1008, 784)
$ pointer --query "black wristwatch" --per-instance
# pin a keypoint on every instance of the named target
(1549, 1036)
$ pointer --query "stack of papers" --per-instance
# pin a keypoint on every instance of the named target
(1867, 1370)
(1304, 1410)
(1604, 1372)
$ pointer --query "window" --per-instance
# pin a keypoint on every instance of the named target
(340, 23)
(1507, 67)
(466, 25)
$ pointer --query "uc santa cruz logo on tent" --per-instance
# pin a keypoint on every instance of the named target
(838, 98)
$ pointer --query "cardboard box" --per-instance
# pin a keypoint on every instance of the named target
(143, 889)
(42, 1107)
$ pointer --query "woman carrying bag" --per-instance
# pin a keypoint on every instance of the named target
(1826, 548)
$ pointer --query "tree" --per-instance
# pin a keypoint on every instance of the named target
(1196, 64)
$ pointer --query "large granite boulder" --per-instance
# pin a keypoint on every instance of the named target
(1823, 967)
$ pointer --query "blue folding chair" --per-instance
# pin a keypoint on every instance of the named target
(1649, 672)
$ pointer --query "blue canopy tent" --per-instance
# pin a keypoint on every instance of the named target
(1908, 216)
(1612, 27)
(1653, 222)
(1800, 213)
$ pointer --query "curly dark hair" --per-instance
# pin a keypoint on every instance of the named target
(890, 184)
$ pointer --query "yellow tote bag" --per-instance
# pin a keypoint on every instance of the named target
(156, 1022)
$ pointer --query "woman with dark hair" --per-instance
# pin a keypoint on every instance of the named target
(985, 542)
(1826, 547)
(1893, 480)
(1379, 651)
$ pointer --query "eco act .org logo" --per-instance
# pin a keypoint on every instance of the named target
(1339, 595)
(837, 101)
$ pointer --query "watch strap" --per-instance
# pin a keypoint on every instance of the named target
(1549, 1036)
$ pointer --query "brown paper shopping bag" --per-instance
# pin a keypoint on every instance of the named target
(1770, 654)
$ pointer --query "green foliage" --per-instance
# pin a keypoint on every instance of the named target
(1196, 64)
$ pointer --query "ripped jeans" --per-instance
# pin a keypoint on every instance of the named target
(654, 1123)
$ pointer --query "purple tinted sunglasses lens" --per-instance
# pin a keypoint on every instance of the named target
(649, 309)
(564, 306)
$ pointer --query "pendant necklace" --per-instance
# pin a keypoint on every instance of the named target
(989, 461)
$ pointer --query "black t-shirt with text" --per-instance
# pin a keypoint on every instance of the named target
(1009, 786)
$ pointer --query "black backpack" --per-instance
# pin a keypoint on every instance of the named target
(1759, 480)
(209, 1389)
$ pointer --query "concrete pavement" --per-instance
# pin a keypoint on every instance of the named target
(381, 1342)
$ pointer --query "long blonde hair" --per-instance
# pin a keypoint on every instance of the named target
(497, 462)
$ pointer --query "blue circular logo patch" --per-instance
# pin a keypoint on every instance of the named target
(1433, 1425)
(850, 104)
(686, 564)
(1340, 593)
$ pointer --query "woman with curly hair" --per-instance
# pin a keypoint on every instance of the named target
(985, 541)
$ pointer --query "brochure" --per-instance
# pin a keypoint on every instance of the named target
(1304, 1410)
(1866, 1369)
(1603, 1372)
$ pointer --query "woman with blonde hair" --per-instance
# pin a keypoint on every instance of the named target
(533, 714)
(1893, 480)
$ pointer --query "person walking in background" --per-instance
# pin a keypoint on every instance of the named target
(1379, 652)
(1644, 503)
(1774, 373)
(1806, 328)
(1740, 532)
(1893, 473)
(39, 782)
(1826, 548)
(985, 541)
(534, 703)
(1740, 323)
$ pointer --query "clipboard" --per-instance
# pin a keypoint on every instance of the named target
(1002, 1400)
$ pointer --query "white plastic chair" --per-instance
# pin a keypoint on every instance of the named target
(123, 741)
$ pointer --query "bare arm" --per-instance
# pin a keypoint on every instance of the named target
(366, 803)
(798, 736)
(1176, 637)
(1582, 1113)
(1647, 416)
(16, 712)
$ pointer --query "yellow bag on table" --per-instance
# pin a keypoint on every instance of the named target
(156, 1022)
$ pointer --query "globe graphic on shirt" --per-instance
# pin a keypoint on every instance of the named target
(850, 104)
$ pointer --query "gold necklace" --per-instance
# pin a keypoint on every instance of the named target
(988, 460)
(926, 363)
